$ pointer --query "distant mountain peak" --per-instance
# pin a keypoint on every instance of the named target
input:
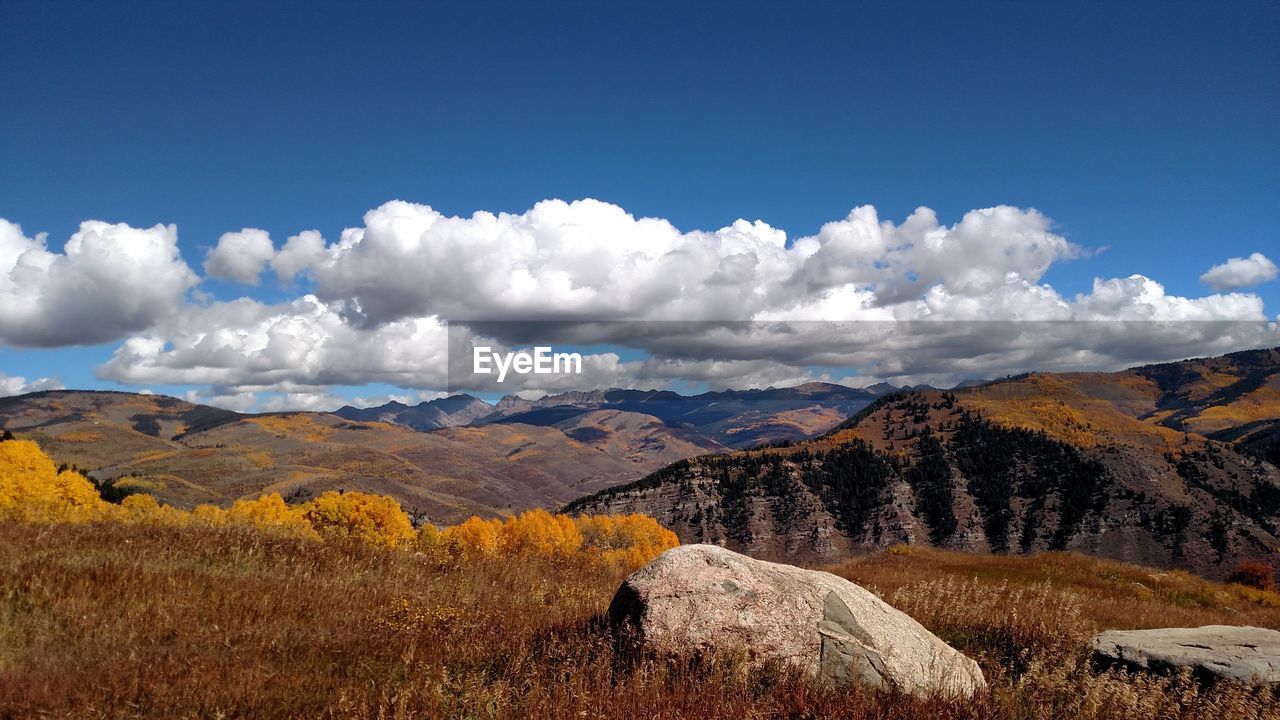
(443, 412)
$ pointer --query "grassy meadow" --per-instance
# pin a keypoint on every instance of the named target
(131, 620)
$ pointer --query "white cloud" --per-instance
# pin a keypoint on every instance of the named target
(17, 385)
(303, 343)
(308, 401)
(913, 298)
(586, 259)
(987, 249)
(236, 402)
(299, 253)
(109, 281)
(240, 256)
(1239, 273)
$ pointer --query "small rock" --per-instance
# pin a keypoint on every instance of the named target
(1230, 651)
(697, 598)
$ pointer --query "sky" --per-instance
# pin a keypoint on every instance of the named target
(1078, 164)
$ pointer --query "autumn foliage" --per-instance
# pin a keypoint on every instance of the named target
(1255, 574)
(625, 541)
(372, 519)
(32, 489)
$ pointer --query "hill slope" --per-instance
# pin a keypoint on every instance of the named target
(186, 454)
(1112, 464)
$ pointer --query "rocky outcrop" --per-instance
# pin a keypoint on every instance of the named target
(704, 598)
(1241, 653)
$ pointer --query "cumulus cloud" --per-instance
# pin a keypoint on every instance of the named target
(299, 253)
(1239, 273)
(109, 281)
(240, 256)
(304, 343)
(735, 307)
(986, 250)
(592, 260)
(16, 385)
(580, 260)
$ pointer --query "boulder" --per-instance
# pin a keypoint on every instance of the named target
(1239, 652)
(700, 598)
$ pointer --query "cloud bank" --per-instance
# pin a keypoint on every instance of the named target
(738, 306)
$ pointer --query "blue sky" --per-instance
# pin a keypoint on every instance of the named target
(1150, 130)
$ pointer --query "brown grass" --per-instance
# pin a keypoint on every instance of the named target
(118, 621)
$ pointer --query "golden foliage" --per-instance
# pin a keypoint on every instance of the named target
(373, 519)
(540, 532)
(1069, 408)
(297, 425)
(260, 459)
(270, 512)
(144, 509)
(622, 541)
(474, 536)
(628, 541)
(32, 489)
(1261, 404)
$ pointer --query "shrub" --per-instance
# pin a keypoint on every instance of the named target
(271, 513)
(473, 537)
(619, 541)
(142, 508)
(541, 533)
(628, 541)
(372, 519)
(1255, 574)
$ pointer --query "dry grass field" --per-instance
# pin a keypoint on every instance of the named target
(117, 620)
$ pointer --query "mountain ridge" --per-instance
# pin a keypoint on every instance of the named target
(735, 418)
(1112, 464)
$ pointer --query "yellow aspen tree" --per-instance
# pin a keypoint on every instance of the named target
(271, 513)
(32, 489)
(473, 536)
(372, 519)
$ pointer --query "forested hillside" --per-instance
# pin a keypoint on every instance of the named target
(1140, 466)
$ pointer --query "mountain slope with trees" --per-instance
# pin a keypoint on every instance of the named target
(1142, 466)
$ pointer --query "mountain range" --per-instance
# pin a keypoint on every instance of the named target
(1173, 465)
(443, 460)
(732, 418)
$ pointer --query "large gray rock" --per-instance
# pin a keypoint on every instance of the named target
(1242, 653)
(697, 598)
